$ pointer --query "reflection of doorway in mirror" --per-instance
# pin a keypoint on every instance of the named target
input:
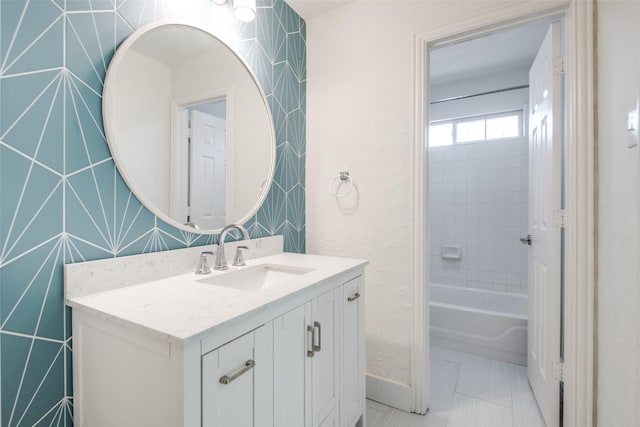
(207, 177)
(203, 168)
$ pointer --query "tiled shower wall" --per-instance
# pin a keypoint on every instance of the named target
(478, 200)
(61, 197)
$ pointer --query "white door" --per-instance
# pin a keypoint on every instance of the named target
(207, 170)
(545, 139)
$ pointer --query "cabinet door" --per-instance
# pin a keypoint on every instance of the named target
(352, 366)
(291, 370)
(235, 382)
(325, 361)
(306, 363)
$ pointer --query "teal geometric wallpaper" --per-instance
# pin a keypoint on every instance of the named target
(61, 198)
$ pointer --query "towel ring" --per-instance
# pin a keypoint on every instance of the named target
(343, 177)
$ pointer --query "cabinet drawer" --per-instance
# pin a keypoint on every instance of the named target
(236, 382)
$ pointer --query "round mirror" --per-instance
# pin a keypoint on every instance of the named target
(188, 127)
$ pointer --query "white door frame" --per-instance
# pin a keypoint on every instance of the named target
(580, 194)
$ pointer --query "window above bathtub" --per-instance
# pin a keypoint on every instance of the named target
(477, 129)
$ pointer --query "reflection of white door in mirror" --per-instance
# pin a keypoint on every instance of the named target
(207, 175)
(200, 176)
(200, 166)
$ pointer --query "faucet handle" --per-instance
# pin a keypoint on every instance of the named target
(238, 260)
(203, 265)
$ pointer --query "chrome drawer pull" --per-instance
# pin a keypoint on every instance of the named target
(226, 379)
(354, 297)
(526, 240)
(312, 338)
(318, 347)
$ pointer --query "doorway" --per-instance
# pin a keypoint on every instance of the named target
(577, 217)
(484, 187)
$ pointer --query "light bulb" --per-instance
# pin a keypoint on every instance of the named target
(244, 10)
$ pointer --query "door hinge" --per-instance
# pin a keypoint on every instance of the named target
(560, 218)
(559, 65)
(558, 371)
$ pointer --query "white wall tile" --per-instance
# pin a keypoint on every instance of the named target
(479, 201)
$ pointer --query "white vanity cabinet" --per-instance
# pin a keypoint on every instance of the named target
(180, 353)
(306, 362)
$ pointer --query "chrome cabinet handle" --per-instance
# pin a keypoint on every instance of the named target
(312, 337)
(319, 346)
(526, 240)
(227, 379)
(354, 297)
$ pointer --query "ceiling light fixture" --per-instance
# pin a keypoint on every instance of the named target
(220, 2)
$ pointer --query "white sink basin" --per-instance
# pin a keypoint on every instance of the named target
(257, 277)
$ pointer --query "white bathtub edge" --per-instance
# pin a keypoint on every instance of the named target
(389, 392)
(470, 321)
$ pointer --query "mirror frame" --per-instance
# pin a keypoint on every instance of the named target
(108, 105)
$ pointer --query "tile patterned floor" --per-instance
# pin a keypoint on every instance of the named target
(468, 391)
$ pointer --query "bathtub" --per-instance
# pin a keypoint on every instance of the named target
(485, 323)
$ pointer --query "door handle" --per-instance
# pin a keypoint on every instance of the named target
(227, 379)
(526, 240)
(319, 346)
(312, 338)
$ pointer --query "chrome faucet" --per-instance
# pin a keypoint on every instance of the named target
(221, 260)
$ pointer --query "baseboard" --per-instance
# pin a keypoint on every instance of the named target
(389, 392)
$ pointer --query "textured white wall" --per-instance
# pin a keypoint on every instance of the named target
(360, 104)
(143, 120)
(359, 113)
(618, 199)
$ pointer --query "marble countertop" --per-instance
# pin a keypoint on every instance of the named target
(180, 308)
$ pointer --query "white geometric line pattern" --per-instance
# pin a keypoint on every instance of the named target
(37, 389)
(35, 22)
(62, 200)
(53, 254)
